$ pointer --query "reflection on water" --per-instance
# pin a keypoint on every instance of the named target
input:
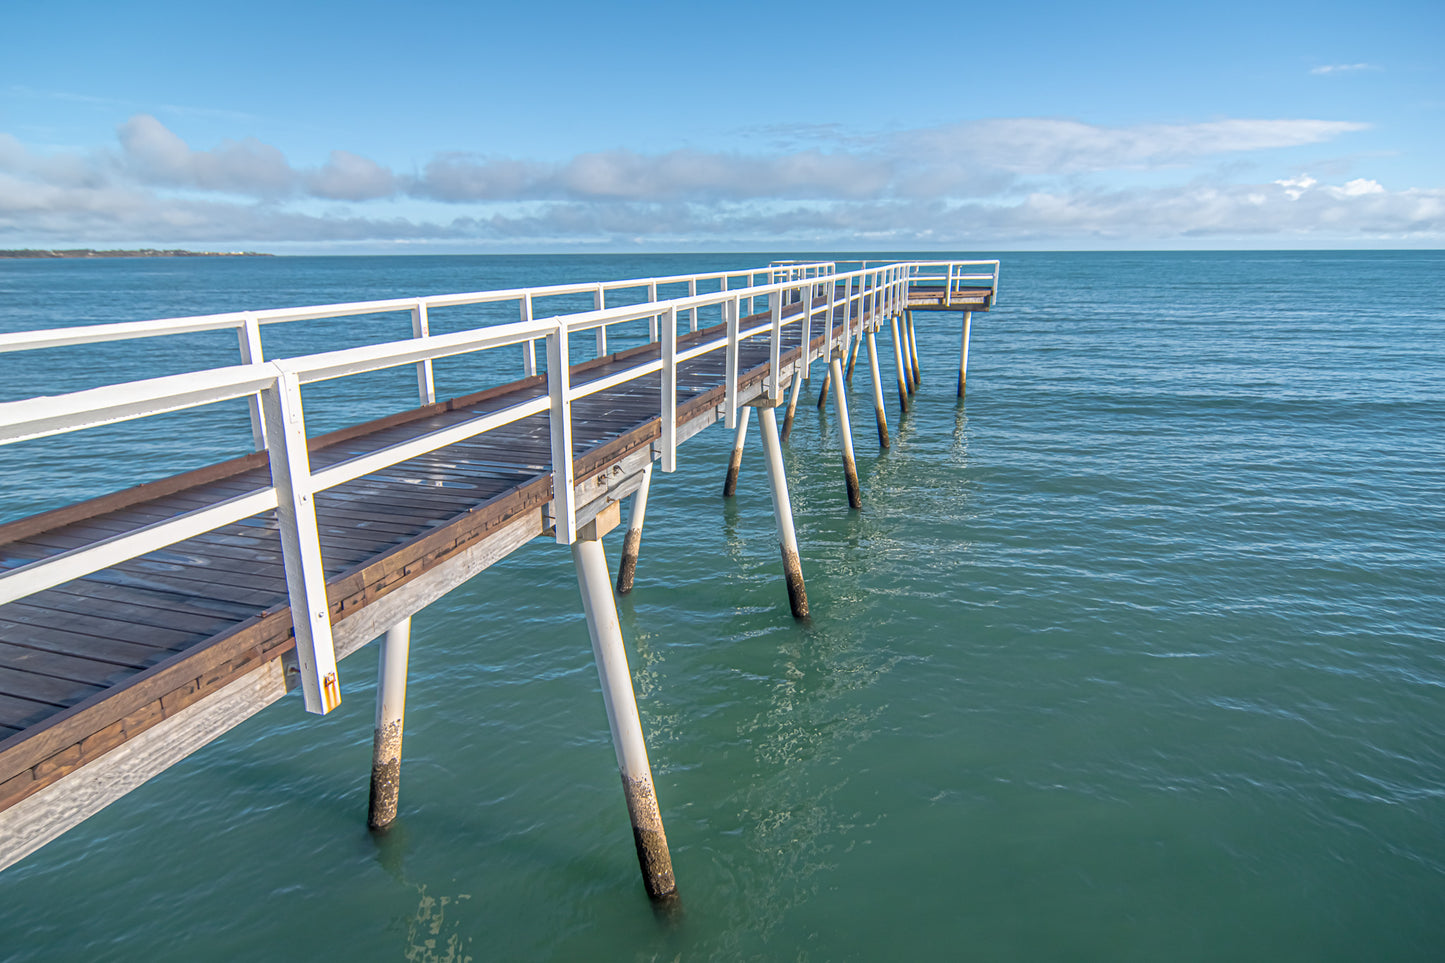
(430, 937)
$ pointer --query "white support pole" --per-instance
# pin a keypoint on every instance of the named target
(390, 722)
(559, 390)
(669, 390)
(898, 352)
(420, 328)
(799, 373)
(963, 355)
(783, 514)
(301, 543)
(735, 462)
(845, 429)
(853, 357)
(529, 350)
(913, 350)
(623, 720)
(880, 413)
(249, 336)
(692, 314)
(599, 302)
(632, 543)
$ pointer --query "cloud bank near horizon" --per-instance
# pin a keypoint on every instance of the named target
(991, 182)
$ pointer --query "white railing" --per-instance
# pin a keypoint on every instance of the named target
(954, 278)
(861, 300)
(247, 324)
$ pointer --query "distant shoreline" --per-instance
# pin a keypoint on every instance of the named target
(143, 252)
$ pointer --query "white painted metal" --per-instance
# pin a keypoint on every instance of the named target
(775, 374)
(617, 695)
(845, 431)
(778, 480)
(390, 724)
(421, 328)
(249, 336)
(564, 514)
(730, 364)
(692, 315)
(880, 411)
(652, 319)
(669, 390)
(599, 303)
(529, 350)
(300, 543)
(963, 353)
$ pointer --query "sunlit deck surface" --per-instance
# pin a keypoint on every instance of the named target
(923, 297)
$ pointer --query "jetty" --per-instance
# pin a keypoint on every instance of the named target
(138, 626)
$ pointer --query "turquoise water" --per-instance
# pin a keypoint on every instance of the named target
(1135, 656)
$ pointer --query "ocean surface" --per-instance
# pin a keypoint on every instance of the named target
(1137, 655)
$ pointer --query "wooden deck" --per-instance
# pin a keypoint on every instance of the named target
(110, 678)
(923, 297)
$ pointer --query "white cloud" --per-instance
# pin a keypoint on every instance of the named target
(1044, 146)
(1358, 188)
(154, 154)
(1342, 68)
(985, 182)
(1295, 187)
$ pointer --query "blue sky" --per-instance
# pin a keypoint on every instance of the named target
(441, 127)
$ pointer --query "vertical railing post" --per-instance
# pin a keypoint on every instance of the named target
(420, 328)
(732, 308)
(529, 350)
(652, 321)
(807, 326)
(559, 391)
(249, 336)
(692, 314)
(669, 390)
(300, 542)
(775, 345)
(599, 302)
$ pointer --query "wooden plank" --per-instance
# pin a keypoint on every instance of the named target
(81, 646)
(19, 714)
(26, 613)
(89, 671)
(37, 687)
